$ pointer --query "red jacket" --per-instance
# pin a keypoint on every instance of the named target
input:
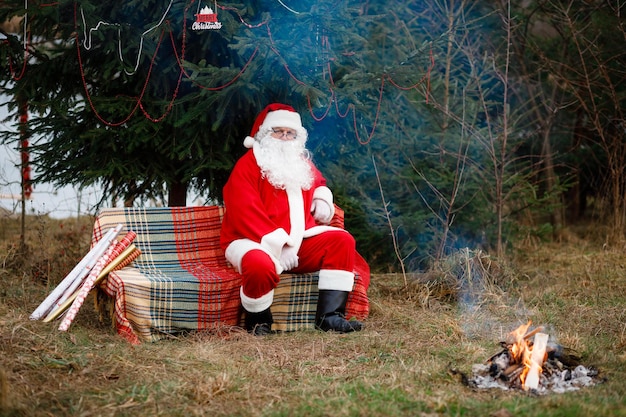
(260, 216)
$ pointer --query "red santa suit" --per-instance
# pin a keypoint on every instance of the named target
(260, 219)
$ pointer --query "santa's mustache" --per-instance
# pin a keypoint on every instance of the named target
(284, 163)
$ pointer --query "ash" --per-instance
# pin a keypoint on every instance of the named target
(561, 372)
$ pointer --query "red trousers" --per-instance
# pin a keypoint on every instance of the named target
(332, 250)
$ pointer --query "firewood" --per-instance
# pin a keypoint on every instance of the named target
(533, 332)
(511, 370)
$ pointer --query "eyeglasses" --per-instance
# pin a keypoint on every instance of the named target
(289, 133)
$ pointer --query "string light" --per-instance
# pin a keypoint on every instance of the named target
(25, 42)
(333, 99)
(87, 44)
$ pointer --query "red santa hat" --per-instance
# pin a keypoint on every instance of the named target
(275, 115)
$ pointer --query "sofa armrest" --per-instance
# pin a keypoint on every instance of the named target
(338, 218)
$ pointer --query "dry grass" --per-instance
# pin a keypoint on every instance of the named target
(452, 317)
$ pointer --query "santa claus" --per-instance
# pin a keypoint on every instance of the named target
(278, 210)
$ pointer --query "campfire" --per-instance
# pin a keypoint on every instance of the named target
(530, 361)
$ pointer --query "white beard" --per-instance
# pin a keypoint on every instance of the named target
(285, 163)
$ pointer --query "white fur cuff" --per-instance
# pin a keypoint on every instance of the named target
(256, 305)
(336, 280)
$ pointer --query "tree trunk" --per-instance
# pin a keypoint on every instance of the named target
(576, 199)
(551, 183)
(177, 196)
(24, 168)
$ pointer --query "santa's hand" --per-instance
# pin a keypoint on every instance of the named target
(321, 211)
(289, 257)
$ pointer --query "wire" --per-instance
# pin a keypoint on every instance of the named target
(87, 41)
(334, 98)
(287, 7)
(25, 23)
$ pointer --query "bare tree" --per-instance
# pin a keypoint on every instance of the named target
(483, 116)
(592, 76)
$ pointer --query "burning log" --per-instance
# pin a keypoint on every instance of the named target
(513, 372)
(533, 332)
(530, 362)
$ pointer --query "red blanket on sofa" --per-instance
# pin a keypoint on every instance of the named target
(182, 282)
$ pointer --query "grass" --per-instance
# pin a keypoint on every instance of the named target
(400, 365)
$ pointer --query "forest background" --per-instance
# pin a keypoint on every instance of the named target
(478, 149)
(440, 125)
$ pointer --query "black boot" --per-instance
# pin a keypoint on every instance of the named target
(331, 313)
(259, 324)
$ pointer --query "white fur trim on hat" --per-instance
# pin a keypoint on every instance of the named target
(282, 118)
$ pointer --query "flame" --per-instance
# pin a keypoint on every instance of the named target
(518, 346)
(521, 349)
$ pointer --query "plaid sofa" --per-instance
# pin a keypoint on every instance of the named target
(182, 282)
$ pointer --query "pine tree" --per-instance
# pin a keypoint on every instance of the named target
(129, 97)
(132, 99)
(120, 100)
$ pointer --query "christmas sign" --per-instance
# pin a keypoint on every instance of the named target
(207, 19)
